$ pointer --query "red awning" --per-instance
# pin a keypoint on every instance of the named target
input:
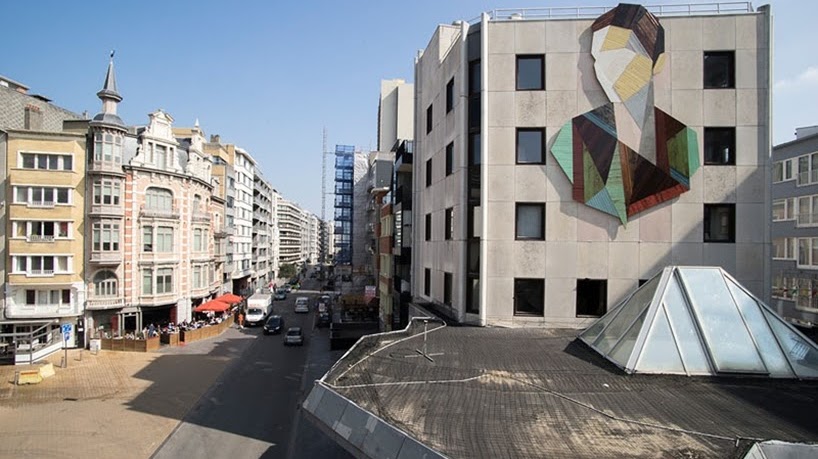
(229, 298)
(212, 305)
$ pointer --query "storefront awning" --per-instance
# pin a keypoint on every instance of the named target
(229, 298)
(212, 305)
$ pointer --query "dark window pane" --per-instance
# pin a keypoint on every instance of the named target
(719, 223)
(474, 149)
(449, 158)
(448, 223)
(592, 297)
(427, 282)
(529, 72)
(720, 146)
(428, 227)
(530, 221)
(429, 172)
(719, 69)
(529, 297)
(530, 146)
(473, 264)
(450, 95)
(429, 119)
(474, 112)
(473, 295)
(447, 289)
(474, 77)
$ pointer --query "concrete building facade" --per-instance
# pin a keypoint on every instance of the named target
(507, 229)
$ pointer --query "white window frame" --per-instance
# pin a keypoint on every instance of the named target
(108, 228)
(47, 156)
(44, 297)
(55, 191)
(789, 244)
(783, 171)
(809, 218)
(809, 176)
(22, 264)
(114, 195)
(27, 227)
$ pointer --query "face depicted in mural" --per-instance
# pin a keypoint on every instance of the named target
(627, 156)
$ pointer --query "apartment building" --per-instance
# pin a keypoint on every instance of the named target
(42, 205)
(795, 229)
(221, 155)
(290, 228)
(311, 237)
(344, 171)
(244, 168)
(262, 244)
(562, 162)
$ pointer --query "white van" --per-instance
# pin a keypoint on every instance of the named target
(259, 306)
(302, 304)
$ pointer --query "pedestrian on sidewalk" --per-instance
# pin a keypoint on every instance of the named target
(241, 320)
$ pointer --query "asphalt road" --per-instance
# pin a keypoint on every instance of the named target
(253, 409)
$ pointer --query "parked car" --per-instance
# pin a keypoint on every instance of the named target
(294, 337)
(302, 304)
(274, 325)
(287, 288)
(280, 294)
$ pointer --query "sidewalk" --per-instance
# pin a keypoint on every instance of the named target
(120, 404)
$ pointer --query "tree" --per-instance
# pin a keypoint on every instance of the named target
(287, 270)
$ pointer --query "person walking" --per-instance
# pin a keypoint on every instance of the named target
(241, 320)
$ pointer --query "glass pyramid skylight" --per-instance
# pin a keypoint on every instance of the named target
(700, 321)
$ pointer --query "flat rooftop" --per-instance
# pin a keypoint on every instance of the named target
(492, 392)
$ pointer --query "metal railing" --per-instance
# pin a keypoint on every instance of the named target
(39, 238)
(41, 204)
(584, 12)
(159, 213)
(41, 272)
(104, 303)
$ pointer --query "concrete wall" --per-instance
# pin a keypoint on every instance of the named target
(581, 242)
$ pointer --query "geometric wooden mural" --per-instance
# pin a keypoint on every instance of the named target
(627, 155)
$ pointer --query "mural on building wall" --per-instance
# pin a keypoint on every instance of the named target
(627, 155)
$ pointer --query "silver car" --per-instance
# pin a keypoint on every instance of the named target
(294, 337)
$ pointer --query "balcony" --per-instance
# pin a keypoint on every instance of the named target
(100, 210)
(158, 299)
(41, 272)
(403, 196)
(166, 214)
(404, 157)
(200, 217)
(106, 167)
(38, 238)
(222, 231)
(41, 204)
(220, 257)
(106, 258)
(104, 303)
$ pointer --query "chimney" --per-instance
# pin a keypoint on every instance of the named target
(215, 138)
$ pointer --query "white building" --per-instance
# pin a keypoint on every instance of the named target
(244, 169)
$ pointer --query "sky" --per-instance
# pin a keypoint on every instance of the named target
(271, 76)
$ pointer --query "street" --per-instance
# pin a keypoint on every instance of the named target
(253, 408)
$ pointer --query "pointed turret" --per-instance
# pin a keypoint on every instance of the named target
(110, 98)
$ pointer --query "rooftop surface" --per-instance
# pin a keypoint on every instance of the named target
(490, 392)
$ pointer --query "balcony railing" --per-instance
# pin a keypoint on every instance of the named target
(39, 238)
(172, 214)
(200, 217)
(106, 257)
(107, 209)
(41, 204)
(104, 303)
(41, 272)
(106, 166)
(159, 299)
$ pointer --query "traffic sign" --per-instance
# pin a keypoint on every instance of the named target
(66, 331)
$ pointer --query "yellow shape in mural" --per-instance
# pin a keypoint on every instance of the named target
(636, 75)
(617, 38)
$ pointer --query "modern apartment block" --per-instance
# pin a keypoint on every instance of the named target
(221, 155)
(562, 162)
(795, 229)
(262, 275)
(290, 229)
(396, 113)
(311, 238)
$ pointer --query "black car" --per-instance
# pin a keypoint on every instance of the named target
(323, 319)
(274, 325)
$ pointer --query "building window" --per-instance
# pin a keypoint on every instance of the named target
(105, 284)
(427, 281)
(159, 199)
(198, 240)
(530, 221)
(784, 209)
(41, 231)
(429, 172)
(41, 265)
(450, 95)
(428, 235)
(447, 289)
(530, 146)
(530, 73)
(807, 252)
(449, 224)
(38, 196)
(807, 211)
(46, 161)
(592, 297)
(429, 118)
(48, 297)
(808, 169)
(158, 284)
(719, 223)
(108, 148)
(474, 149)
(107, 192)
(719, 69)
(529, 297)
(158, 239)
(449, 158)
(720, 146)
(784, 248)
(105, 237)
(783, 171)
(161, 156)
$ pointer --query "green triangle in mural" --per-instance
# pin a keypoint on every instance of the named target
(693, 151)
(563, 150)
(602, 201)
(615, 188)
(593, 180)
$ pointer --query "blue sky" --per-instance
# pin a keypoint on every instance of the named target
(268, 76)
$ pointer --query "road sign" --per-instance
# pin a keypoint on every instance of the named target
(66, 331)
